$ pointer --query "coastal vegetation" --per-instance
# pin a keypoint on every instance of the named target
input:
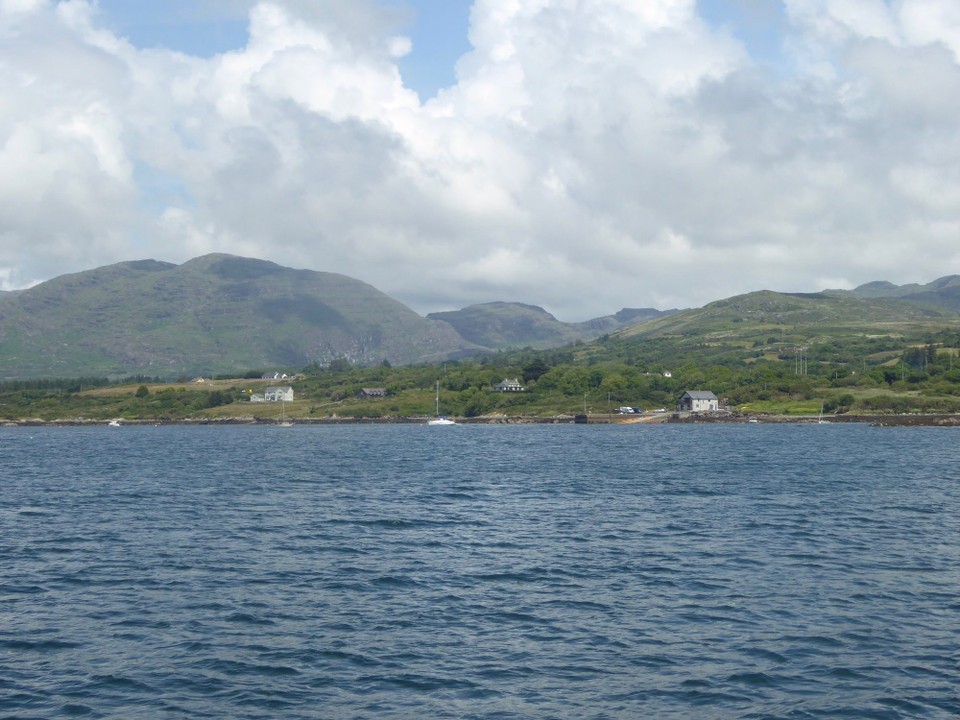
(862, 374)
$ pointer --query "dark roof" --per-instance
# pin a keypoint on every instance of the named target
(700, 395)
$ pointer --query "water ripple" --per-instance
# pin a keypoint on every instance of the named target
(498, 572)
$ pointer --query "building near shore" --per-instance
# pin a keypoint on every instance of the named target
(698, 401)
(274, 393)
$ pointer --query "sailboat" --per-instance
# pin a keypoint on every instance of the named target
(283, 419)
(821, 421)
(438, 420)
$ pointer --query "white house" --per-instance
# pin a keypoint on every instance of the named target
(508, 386)
(698, 401)
(276, 393)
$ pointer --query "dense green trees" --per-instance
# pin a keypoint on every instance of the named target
(534, 370)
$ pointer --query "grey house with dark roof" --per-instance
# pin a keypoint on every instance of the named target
(698, 401)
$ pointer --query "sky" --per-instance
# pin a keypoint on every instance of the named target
(580, 155)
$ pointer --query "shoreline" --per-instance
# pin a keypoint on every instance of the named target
(907, 420)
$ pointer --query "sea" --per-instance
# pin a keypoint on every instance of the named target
(480, 571)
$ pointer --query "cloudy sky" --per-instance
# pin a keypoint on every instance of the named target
(582, 155)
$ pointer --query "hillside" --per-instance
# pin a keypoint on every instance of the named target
(943, 292)
(767, 310)
(216, 313)
(836, 327)
(764, 352)
(223, 314)
(503, 325)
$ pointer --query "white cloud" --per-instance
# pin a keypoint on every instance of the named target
(931, 21)
(934, 188)
(836, 20)
(593, 154)
(11, 8)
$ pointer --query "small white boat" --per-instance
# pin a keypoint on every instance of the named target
(821, 421)
(113, 423)
(283, 417)
(439, 420)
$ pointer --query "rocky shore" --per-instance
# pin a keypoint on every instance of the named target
(926, 420)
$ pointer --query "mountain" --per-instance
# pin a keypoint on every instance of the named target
(628, 317)
(217, 313)
(845, 331)
(506, 324)
(813, 312)
(876, 289)
(223, 314)
(943, 292)
(502, 325)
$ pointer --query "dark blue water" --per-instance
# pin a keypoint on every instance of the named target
(750, 571)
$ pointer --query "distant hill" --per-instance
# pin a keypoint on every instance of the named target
(626, 318)
(846, 331)
(216, 313)
(943, 292)
(767, 318)
(814, 312)
(502, 325)
(223, 314)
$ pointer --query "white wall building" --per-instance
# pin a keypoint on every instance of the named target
(278, 393)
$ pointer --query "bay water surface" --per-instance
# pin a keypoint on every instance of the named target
(521, 571)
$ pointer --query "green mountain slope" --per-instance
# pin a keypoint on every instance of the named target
(771, 310)
(774, 325)
(216, 313)
(504, 325)
(222, 314)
